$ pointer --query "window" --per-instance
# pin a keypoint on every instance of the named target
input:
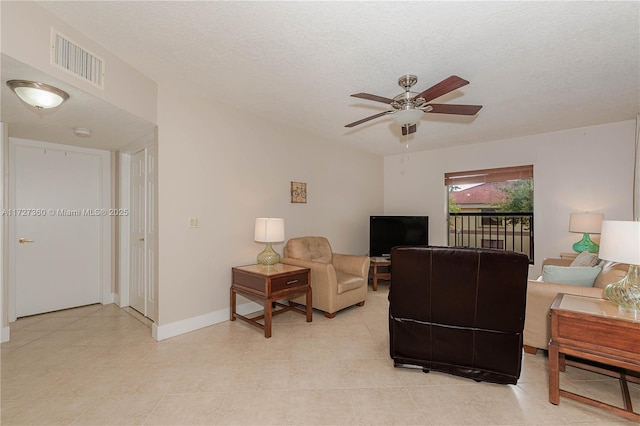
(492, 208)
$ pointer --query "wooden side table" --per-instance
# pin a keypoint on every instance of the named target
(269, 284)
(593, 329)
(385, 274)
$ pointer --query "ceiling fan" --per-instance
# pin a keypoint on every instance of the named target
(409, 106)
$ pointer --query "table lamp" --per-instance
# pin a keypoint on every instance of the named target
(269, 230)
(586, 223)
(620, 242)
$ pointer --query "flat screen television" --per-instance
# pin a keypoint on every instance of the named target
(386, 232)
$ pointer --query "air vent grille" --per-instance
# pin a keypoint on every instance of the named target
(73, 58)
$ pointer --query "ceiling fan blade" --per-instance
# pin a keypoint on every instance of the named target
(370, 97)
(407, 130)
(454, 109)
(355, 123)
(447, 85)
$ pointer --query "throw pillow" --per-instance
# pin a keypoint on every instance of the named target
(574, 275)
(585, 259)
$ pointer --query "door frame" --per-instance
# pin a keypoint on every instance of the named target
(125, 221)
(107, 294)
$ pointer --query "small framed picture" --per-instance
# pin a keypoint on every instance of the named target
(298, 192)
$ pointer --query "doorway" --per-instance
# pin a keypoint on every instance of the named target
(59, 227)
(138, 241)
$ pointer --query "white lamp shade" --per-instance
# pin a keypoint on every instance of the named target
(407, 116)
(620, 241)
(586, 223)
(269, 230)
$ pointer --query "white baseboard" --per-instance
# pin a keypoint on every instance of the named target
(116, 299)
(5, 334)
(191, 324)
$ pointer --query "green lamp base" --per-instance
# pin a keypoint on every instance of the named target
(626, 292)
(585, 244)
(268, 257)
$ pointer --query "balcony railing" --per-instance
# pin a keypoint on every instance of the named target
(505, 231)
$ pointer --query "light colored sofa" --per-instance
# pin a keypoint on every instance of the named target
(337, 280)
(537, 323)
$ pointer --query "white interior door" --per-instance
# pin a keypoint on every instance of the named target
(55, 212)
(137, 237)
(150, 233)
(142, 295)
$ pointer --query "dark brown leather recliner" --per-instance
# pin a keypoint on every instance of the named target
(459, 311)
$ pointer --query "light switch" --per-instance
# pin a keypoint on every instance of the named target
(194, 222)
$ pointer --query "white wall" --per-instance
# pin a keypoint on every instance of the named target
(227, 168)
(584, 169)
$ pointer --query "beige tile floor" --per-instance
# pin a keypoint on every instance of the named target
(99, 365)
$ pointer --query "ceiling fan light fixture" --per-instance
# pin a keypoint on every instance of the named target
(409, 106)
(38, 95)
(407, 117)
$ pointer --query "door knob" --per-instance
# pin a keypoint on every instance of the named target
(141, 239)
(25, 240)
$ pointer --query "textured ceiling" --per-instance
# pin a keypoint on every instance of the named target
(535, 66)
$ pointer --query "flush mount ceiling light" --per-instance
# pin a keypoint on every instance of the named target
(81, 132)
(39, 95)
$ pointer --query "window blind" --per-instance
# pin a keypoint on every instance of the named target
(489, 175)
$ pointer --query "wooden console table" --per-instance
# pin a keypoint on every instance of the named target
(269, 284)
(377, 262)
(594, 329)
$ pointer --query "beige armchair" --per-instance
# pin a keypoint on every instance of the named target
(537, 322)
(337, 280)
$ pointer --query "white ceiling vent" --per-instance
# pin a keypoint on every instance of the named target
(70, 56)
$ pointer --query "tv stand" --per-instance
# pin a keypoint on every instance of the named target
(384, 274)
